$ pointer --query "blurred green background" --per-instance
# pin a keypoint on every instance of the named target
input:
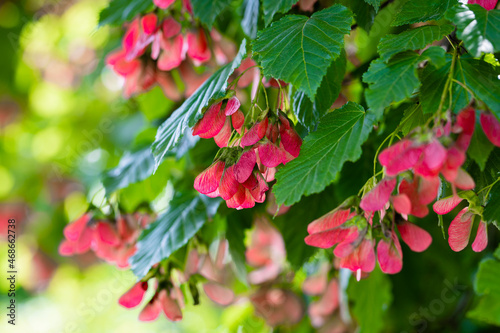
(63, 122)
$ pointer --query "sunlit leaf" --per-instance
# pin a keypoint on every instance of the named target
(186, 214)
(309, 113)
(415, 11)
(133, 167)
(271, 7)
(338, 139)
(299, 49)
(250, 20)
(186, 116)
(412, 39)
(477, 27)
(207, 11)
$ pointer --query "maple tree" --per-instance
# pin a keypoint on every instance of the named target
(334, 124)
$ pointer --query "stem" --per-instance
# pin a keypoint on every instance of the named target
(278, 101)
(265, 93)
(447, 85)
(232, 138)
(465, 87)
(375, 175)
(391, 137)
(235, 81)
(254, 103)
(489, 187)
(378, 151)
(451, 43)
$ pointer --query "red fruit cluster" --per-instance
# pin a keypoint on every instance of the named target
(164, 4)
(430, 158)
(218, 122)
(266, 252)
(111, 241)
(440, 155)
(461, 226)
(168, 49)
(355, 247)
(215, 271)
(321, 311)
(487, 4)
(166, 299)
(168, 296)
(248, 161)
(413, 166)
(277, 306)
(17, 211)
(491, 127)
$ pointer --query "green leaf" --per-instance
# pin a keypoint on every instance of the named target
(299, 49)
(479, 76)
(309, 113)
(375, 3)
(477, 27)
(483, 79)
(433, 82)
(271, 7)
(237, 222)
(412, 39)
(207, 11)
(436, 55)
(487, 176)
(293, 225)
(154, 104)
(186, 214)
(491, 211)
(171, 131)
(364, 15)
(480, 147)
(396, 80)
(120, 11)
(487, 277)
(250, 20)
(422, 10)
(132, 168)
(413, 117)
(142, 193)
(372, 297)
(338, 139)
(487, 310)
(139, 165)
(486, 284)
